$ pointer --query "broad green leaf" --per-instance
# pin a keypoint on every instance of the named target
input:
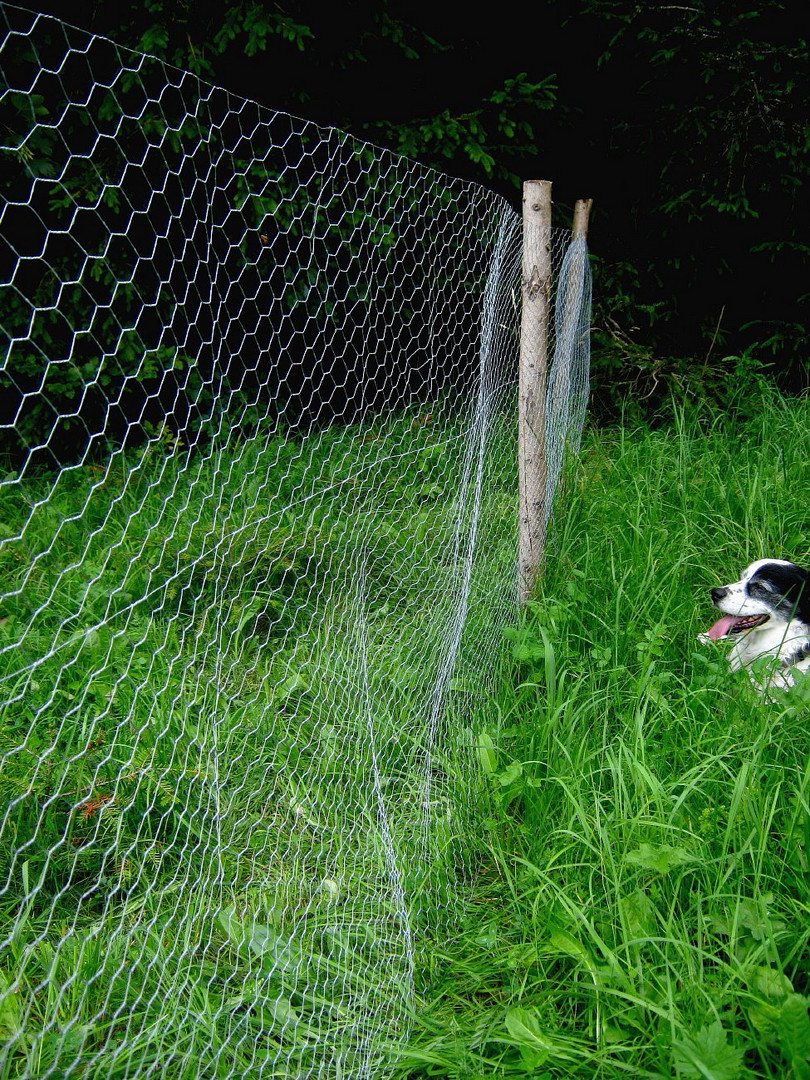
(10, 1010)
(794, 1034)
(707, 1055)
(524, 1028)
(661, 859)
(485, 748)
(639, 913)
(263, 941)
(753, 915)
(771, 982)
(562, 942)
(511, 774)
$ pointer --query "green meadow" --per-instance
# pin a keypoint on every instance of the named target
(253, 825)
(643, 905)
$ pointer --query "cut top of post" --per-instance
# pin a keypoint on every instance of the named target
(537, 201)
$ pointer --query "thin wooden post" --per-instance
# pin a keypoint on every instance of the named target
(582, 211)
(534, 324)
(568, 314)
(567, 381)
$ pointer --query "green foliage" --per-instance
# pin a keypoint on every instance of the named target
(639, 816)
(696, 144)
(746, 106)
(500, 130)
(70, 326)
(714, 126)
(193, 38)
(114, 216)
(177, 623)
(488, 137)
(641, 901)
(707, 1055)
(30, 137)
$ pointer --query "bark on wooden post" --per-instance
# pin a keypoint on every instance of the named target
(536, 307)
(582, 211)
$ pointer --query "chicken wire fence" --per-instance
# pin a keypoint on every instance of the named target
(257, 541)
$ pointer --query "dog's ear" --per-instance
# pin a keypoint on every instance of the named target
(803, 598)
(791, 584)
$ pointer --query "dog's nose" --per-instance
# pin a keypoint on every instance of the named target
(718, 594)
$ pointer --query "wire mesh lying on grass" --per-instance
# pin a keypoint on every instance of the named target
(257, 539)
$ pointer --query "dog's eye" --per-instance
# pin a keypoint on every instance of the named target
(760, 587)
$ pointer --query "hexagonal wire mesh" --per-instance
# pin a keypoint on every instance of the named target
(258, 537)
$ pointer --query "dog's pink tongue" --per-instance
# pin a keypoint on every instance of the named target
(721, 627)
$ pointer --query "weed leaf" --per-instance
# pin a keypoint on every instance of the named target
(485, 748)
(660, 859)
(707, 1055)
(639, 913)
(562, 942)
(771, 983)
(511, 774)
(794, 1034)
(10, 1013)
(261, 940)
(524, 1028)
(535, 1047)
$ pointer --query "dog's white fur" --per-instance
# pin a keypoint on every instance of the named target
(770, 605)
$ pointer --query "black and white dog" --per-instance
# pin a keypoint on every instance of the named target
(766, 614)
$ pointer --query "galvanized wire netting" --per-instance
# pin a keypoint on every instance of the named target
(257, 541)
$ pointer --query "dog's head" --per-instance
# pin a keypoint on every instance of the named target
(770, 593)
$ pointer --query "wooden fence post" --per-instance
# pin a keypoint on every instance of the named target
(582, 211)
(534, 326)
(568, 314)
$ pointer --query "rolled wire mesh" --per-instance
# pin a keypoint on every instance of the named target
(258, 539)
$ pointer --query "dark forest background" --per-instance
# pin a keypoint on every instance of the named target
(687, 123)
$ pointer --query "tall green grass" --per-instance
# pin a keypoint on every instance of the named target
(612, 875)
(643, 905)
(216, 778)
